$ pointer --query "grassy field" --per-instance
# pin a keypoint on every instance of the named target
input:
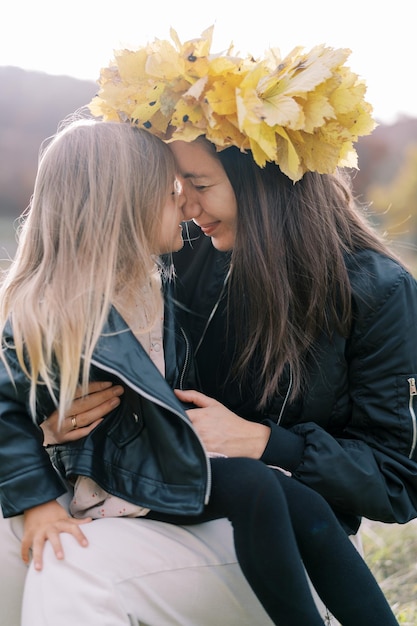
(391, 553)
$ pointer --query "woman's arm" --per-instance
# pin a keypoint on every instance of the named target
(362, 456)
(84, 415)
(221, 430)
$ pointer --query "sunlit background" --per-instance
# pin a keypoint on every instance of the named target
(77, 38)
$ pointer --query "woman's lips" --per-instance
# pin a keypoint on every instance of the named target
(208, 229)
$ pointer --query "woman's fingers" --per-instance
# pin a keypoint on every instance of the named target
(94, 387)
(80, 418)
(71, 432)
(195, 397)
(85, 413)
(88, 411)
(96, 403)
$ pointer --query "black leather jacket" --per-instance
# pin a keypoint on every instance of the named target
(146, 451)
(352, 435)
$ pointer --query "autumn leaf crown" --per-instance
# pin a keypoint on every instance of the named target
(303, 112)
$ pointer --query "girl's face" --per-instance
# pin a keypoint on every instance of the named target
(209, 197)
(170, 234)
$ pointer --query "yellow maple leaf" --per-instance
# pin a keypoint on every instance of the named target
(163, 62)
(222, 98)
(249, 107)
(264, 138)
(194, 53)
(283, 111)
(314, 68)
(188, 112)
(288, 156)
(317, 110)
(225, 133)
(130, 65)
(99, 108)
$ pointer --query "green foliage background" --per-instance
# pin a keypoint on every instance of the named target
(391, 553)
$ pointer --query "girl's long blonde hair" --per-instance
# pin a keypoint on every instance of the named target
(90, 231)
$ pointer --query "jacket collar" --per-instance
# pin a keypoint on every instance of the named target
(121, 355)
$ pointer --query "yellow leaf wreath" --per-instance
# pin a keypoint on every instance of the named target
(303, 112)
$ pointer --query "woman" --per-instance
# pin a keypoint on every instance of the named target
(343, 379)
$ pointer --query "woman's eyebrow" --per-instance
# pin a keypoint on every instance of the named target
(188, 175)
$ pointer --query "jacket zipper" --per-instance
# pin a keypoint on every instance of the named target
(152, 398)
(284, 404)
(413, 392)
(186, 359)
(203, 334)
(181, 385)
(213, 311)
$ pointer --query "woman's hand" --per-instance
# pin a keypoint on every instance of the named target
(221, 430)
(44, 522)
(84, 415)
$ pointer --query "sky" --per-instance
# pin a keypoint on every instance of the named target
(79, 37)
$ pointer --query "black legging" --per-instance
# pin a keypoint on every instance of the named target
(280, 524)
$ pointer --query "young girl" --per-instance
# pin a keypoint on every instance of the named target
(82, 302)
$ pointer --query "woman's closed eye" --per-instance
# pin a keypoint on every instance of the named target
(199, 187)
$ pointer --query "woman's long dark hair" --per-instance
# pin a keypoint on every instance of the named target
(288, 265)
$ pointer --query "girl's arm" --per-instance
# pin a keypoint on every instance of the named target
(46, 522)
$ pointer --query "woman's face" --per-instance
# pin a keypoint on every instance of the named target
(170, 237)
(209, 197)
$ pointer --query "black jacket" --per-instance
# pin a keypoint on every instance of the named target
(146, 451)
(352, 435)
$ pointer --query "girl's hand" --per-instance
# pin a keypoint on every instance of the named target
(85, 414)
(221, 430)
(44, 522)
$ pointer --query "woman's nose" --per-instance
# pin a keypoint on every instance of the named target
(189, 204)
(190, 210)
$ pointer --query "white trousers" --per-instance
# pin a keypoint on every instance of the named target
(12, 570)
(135, 572)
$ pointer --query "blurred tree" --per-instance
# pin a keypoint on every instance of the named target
(395, 205)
